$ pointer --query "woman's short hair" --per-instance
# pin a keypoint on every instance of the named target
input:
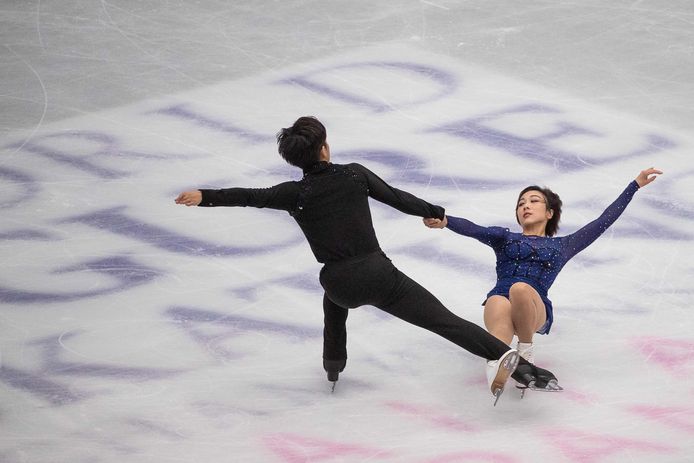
(553, 203)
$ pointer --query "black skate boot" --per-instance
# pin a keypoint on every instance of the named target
(334, 368)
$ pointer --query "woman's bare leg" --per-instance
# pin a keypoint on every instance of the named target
(498, 318)
(527, 311)
(522, 314)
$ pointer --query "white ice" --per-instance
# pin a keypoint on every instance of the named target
(132, 329)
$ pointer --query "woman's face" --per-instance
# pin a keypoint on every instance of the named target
(532, 211)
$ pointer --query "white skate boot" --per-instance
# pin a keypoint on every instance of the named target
(498, 372)
(526, 350)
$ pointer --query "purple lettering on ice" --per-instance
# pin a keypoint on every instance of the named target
(446, 84)
(459, 262)
(117, 222)
(306, 282)
(236, 323)
(111, 147)
(539, 148)
(149, 427)
(126, 273)
(81, 163)
(193, 322)
(182, 112)
(106, 146)
(26, 185)
(41, 383)
(644, 228)
(671, 207)
(411, 169)
(634, 226)
(38, 385)
(25, 234)
(404, 168)
(52, 348)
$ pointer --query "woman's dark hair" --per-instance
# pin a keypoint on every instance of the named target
(553, 203)
(301, 143)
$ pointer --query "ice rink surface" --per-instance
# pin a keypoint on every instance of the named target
(136, 330)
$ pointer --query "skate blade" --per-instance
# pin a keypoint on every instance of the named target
(552, 386)
(522, 390)
(508, 366)
(497, 395)
(332, 389)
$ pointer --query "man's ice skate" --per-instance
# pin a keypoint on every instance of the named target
(334, 368)
(527, 351)
(498, 372)
(536, 379)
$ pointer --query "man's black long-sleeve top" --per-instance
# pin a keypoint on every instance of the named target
(330, 204)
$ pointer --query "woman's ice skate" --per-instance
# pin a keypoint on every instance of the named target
(498, 372)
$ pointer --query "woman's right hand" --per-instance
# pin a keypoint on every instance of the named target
(436, 223)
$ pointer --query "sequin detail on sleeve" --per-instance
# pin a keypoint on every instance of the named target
(581, 239)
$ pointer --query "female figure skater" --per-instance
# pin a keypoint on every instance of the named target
(527, 263)
(330, 205)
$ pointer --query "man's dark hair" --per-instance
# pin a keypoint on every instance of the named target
(553, 203)
(301, 143)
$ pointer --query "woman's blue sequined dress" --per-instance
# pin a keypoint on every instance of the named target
(537, 260)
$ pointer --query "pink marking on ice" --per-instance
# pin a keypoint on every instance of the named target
(294, 448)
(434, 417)
(676, 356)
(679, 418)
(579, 397)
(588, 448)
(478, 381)
(481, 457)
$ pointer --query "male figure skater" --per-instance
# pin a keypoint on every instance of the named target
(331, 205)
